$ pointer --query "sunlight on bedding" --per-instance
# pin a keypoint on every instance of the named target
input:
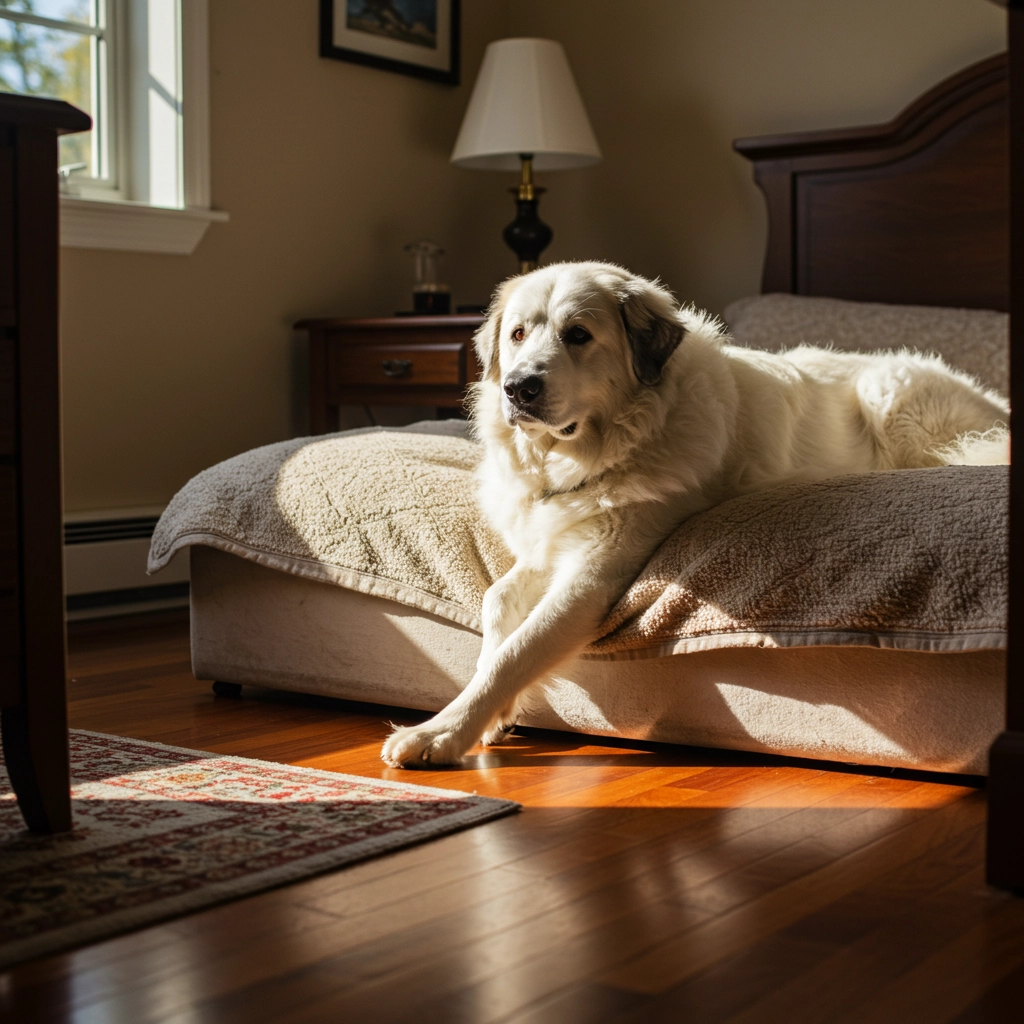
(828, 726)
(575, 706)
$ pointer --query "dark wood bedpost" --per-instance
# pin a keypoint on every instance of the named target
(1005, 852)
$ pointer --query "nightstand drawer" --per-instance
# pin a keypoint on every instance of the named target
(412, 361)
(381, 365)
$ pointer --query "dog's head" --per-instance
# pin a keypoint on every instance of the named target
(572, 342)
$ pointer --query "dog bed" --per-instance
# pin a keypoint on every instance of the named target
(860, 619)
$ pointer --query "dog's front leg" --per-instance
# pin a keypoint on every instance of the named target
(506, 606)
(561, 623)
(507, 603)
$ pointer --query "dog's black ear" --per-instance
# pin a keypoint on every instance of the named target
(649, 314)
(488, 334)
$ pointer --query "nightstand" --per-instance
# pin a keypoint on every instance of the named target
(404, 360)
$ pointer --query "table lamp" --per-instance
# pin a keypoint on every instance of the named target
(525, 114)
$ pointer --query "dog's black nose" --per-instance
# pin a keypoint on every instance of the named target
(524, 390)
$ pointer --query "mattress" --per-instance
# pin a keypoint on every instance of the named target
(873, 706)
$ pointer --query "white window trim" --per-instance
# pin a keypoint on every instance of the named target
(94, 223)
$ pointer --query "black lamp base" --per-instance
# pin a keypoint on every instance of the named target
(527, 236)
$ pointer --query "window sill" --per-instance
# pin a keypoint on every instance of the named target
(133, 227)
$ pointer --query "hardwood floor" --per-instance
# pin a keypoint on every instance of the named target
(637, 884)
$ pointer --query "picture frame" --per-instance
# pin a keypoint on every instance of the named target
(412, 37)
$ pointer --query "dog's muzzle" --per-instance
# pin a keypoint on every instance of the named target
(523, 392)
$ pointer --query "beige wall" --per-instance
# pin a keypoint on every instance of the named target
(172, 363)
(669, 87)
(327, 169)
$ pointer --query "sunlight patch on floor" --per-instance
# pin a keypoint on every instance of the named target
(600, 776)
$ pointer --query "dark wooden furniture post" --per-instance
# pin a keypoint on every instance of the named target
(1005, 848)
(33, 706)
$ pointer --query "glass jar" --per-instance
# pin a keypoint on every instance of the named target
(429, 295)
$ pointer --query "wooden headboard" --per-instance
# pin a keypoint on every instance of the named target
(913, 211)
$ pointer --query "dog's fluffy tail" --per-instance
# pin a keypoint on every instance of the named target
(988, 448)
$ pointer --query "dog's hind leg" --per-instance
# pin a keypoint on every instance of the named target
(921, 413)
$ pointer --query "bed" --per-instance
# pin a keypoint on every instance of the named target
(911, 213)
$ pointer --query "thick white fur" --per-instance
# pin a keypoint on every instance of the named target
(670, 419)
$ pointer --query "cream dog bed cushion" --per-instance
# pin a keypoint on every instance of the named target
(383, 574)
(913, 559)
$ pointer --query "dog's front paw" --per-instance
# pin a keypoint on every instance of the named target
(422, 746)
(501, 728)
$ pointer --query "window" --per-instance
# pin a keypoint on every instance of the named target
(140, 179)
(62, 49)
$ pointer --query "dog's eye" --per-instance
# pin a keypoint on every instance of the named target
(577, 336)
(518, 334)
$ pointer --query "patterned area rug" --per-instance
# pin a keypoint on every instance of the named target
(159, 831)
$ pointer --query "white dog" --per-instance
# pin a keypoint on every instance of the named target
(608, 416)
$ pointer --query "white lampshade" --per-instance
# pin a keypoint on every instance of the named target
(525, 100)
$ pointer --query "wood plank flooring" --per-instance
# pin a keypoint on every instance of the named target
(637, 884)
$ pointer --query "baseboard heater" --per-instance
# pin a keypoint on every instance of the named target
(105, 565)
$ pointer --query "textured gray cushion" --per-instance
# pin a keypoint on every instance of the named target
(913, 559)
(974, 340)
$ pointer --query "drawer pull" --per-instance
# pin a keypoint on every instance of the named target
(396, 367)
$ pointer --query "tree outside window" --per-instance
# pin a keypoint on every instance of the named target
(54, 48)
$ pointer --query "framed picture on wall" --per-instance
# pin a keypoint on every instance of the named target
(413, 37)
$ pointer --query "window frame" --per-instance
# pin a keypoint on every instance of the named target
(103, 28)
(114, 211)
(109, 220)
